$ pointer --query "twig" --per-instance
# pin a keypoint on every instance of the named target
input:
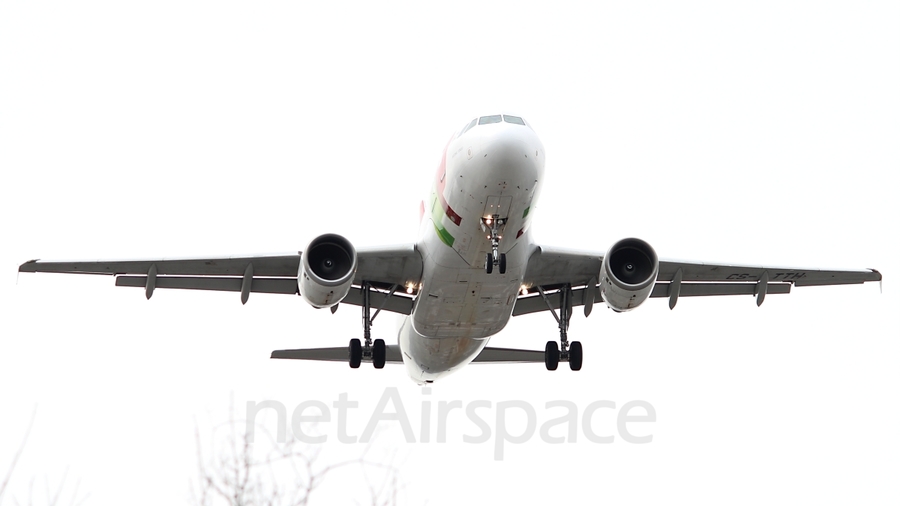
(12, 466)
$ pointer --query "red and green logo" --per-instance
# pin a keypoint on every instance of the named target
(439, 205)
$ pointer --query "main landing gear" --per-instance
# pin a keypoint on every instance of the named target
(564, 351)
(374, 351)
(494, 224)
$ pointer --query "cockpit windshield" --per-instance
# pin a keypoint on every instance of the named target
(496, 118)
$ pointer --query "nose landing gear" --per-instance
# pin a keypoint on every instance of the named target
(494, 224)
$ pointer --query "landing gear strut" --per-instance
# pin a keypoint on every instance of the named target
(494, 224)
(565, 351)
(376, 351)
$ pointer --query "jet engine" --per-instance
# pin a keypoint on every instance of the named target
(628, 274)
(327, 269)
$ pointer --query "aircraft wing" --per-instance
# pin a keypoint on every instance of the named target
(555, 266)
(383, 268)
(552, 268)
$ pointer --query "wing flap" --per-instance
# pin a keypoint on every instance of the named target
(534, 303)
(704, 289)
(395, 303)
(258, 285)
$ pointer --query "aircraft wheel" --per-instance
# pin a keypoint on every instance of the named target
(575, 355)
(489, 264)
(551, 356)
(379, 353)
(355, 353)
(502, 263)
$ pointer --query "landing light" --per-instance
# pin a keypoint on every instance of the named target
(524, 290)
(409, 289)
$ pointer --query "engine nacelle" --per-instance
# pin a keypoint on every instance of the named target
(327, 269)
(628, 274)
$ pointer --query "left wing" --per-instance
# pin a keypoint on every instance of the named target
(551, 269)
(383, 268)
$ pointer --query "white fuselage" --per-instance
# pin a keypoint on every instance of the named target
(490, 170)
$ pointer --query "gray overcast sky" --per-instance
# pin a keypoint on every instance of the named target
(762, 133)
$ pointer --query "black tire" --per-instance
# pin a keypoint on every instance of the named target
(502, 263)
(379, 353)
(355, 353)
(551, 356)
(489, 264)
(576, 355)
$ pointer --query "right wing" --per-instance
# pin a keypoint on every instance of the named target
(385, 268)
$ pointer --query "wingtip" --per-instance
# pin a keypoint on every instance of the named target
(279, 354)
(28, 266)
(879, 279)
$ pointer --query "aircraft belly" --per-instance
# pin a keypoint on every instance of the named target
(429, 358)
(466, 302)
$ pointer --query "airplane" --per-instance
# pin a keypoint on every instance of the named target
(473, 267)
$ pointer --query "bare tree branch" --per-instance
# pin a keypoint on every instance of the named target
(12, 466)
(273, 473)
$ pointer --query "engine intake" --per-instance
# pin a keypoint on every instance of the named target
(628, 274)
(327, 268)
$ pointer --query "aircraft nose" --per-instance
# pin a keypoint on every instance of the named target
(513, 150)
